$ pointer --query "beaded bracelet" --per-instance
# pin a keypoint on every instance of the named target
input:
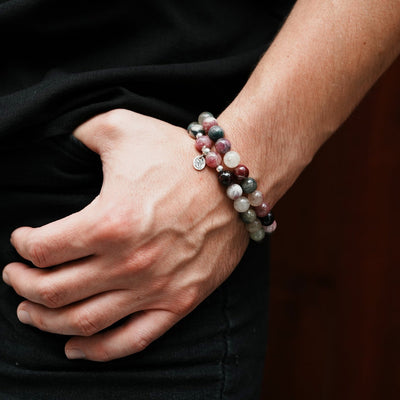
(242, 189)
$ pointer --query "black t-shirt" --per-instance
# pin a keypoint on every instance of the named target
(64, 61)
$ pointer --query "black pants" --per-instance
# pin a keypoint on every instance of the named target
(216, 352)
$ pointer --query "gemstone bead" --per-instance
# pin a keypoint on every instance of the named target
(203, 141)
(271, 228)
(257, 236)
(268, 219)
(255, 198)
(213, 159)
(231, 159)
(203, 116)
(254, 226)
(225, 177)
(234, 191)
(222, 145)
(208, 123)
(241, 204)
(249, 185)
(194, 128)
(262, 210)
(215, 133)
(248, 216)
(241, 172)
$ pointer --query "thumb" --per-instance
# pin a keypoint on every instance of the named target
(99, 132)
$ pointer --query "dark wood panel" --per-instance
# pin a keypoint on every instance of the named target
(335, 278)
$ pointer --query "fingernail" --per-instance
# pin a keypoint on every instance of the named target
(75, 354)
(24, 317)
(6, 279)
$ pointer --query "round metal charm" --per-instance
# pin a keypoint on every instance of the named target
(199, 163)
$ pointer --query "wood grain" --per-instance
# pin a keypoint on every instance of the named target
(335, 276)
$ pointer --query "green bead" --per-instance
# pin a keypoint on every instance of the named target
(248, 216)
(215, 133)
(257, 236)
(249, 185)
(254, 226)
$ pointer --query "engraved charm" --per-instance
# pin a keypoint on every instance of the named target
(199, 163)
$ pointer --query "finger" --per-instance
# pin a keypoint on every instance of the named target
(84, 318)
(132, 336)
(57, 242)
(62, 285)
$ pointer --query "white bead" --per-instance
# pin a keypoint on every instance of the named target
(234, 191)
(231, 159)
(241, 204)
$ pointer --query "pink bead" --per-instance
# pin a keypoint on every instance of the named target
(213, 159)
(262, 210)
(203, 141)
(222, 145)
(271, 228)
(208, 123)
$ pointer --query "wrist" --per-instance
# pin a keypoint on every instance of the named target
(216, 151)
(273, 152)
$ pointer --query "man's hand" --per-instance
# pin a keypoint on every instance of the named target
(156, 241)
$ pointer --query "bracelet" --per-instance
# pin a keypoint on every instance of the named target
(242, 189)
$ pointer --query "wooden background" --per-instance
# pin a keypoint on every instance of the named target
(335, 278)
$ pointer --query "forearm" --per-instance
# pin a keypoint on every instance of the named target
(324, 60)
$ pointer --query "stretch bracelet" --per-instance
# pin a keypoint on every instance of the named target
(216, 153)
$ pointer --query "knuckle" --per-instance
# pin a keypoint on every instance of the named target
(187, 301)
(84, 324)
(143, 340)
(49, 295)
(38, 253)
(41, 322)
(114, 227)
(102, 353)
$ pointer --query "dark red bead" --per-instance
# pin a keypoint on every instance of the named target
(241, 172)
(262, 210)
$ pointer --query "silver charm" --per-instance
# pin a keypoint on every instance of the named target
(199, 163)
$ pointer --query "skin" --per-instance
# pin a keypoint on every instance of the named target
(113, 260)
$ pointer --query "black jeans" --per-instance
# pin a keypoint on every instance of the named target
(216, 352)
